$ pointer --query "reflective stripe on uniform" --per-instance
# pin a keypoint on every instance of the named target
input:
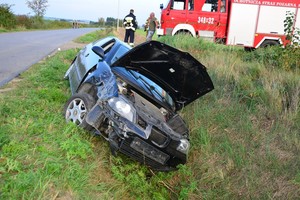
(129, 19)
(128, 23)
(128, 27)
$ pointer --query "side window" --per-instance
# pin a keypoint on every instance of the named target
(178, 5)
(210, 6)
(107, 46)
(223, 6)
(191, 5)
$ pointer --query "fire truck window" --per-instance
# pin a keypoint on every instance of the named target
(210, 6)
(223, 6)
(191, 5)
(178, 5)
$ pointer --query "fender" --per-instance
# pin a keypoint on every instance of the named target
(104, 80)
(185, 27)
(278, 39)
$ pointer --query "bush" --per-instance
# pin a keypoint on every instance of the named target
(292, 53)
(290, 59)
(275, 57)
(25, 21)
(59, 24)
(7, 18)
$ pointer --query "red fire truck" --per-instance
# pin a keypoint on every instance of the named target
(248, 23)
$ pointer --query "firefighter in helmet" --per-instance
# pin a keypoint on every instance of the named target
(130, 27)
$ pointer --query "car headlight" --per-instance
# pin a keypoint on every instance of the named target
(184, 146)
(119, 105)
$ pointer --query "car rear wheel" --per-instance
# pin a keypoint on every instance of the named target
(77, 108)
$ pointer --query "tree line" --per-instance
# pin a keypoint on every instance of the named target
(8, 20)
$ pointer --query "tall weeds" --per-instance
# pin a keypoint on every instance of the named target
(245, 133)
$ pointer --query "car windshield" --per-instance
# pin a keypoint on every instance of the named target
(152, 88)
(120, 52)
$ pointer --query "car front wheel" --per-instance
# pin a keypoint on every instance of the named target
(77, 108)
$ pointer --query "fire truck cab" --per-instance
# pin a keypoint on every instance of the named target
(248, 23)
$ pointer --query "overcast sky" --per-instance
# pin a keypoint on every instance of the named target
(92, 9)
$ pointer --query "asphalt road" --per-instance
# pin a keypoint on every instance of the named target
(20, 50)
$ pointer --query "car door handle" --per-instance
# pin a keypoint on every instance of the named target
(87, 55)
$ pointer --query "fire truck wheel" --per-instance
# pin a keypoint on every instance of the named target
(268, 43)
(183, 32)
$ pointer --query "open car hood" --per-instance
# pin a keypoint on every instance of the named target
(177, 72)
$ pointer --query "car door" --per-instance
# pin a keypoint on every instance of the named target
(176, 14)
(206, 17)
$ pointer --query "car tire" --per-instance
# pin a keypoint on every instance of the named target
(77, 108)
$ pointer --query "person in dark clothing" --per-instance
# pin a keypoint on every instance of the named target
(130, 27)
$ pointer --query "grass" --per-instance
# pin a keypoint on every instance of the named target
(244, 135)
(90, 37)
(143, 33)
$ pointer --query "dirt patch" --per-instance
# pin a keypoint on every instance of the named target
(72, 45)
(138, 38)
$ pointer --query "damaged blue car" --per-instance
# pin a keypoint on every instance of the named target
(131, 97)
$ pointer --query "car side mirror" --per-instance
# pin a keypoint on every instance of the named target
(99, 51)
(161, 6)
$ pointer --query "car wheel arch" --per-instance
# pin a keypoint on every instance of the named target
(89, 88)
(269, 42)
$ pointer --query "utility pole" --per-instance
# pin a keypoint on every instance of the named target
(118, 16)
